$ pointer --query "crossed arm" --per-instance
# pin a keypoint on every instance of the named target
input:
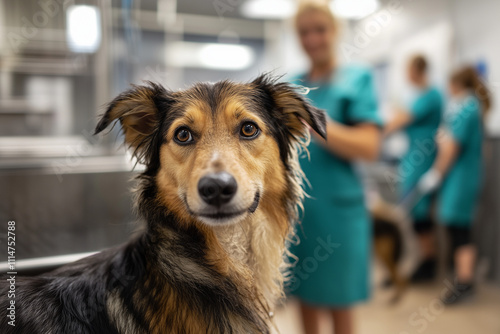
(361, 141)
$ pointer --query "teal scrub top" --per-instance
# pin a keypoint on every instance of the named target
(426, 111)
(348, 98)
(459, 193)
(333, 267)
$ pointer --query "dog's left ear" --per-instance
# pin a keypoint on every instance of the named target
(138, 111)
(294, 106)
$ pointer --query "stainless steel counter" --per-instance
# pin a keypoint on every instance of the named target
(64, 203)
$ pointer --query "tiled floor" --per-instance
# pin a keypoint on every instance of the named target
(419, 312)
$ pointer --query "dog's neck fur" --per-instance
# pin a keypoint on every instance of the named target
(256, 248)
(250, 253)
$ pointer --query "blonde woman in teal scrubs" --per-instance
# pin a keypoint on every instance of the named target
(333, 268)
(459, 166)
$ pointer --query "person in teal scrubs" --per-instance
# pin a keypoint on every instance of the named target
(332, 266)
(420, 122)
(459, 165)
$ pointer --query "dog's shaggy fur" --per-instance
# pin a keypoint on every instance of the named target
(195, 268)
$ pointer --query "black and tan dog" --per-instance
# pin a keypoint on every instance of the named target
(392, 241)
(219, 194)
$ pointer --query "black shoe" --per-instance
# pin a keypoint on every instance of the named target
(458, 293)
(425, 272)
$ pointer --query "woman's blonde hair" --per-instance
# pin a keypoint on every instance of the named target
(306, 6)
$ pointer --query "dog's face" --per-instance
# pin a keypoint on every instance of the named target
(217, 158)
(216, 150)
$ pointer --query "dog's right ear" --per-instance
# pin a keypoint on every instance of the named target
(138, 111)
(293, 107)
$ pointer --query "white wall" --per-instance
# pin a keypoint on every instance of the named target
(283, 52)
(394, 23)
(477, 27)
(399, 29)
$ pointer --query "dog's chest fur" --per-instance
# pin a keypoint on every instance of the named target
(214, 293)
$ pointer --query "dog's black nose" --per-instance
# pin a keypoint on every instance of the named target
(217, 188)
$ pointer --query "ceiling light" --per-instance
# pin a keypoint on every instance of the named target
(267, 9)
(83, 32)
(217, 56)
(354, 9)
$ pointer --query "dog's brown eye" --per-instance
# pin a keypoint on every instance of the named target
(249, 130)
(183, 136)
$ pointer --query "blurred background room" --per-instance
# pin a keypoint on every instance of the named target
(61, 61)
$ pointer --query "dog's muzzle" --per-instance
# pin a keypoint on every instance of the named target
(217, 189)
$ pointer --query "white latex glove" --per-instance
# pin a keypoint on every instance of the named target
(430, 181)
